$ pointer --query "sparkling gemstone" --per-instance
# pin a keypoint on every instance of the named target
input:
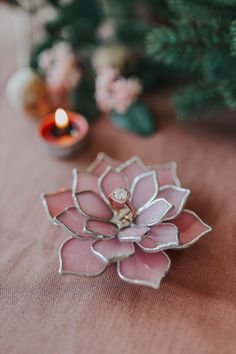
(120, 195)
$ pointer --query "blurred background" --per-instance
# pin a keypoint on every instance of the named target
(106, 56)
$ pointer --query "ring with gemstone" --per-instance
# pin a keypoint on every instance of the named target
(119, 198)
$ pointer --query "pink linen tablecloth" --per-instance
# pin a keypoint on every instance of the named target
(42, 312)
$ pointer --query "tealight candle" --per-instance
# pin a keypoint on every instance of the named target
(63, 132)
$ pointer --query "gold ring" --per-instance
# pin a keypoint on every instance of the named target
(120, 198)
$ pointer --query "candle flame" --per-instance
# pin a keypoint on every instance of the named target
(61, 118)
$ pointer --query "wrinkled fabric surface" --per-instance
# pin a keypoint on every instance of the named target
(42, 312)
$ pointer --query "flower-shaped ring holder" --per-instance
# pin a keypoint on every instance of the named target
(124, 213)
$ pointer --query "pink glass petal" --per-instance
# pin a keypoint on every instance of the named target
(144, 269)
(76, 257)
(91, 204)
(133, 167)
(55, 203)
(166, 174)
(73, 222)
(176, 196)
(160, 237)
(144, 189)
(109, 181)
(190, 227)
(83, 181)
(111, 251)
(102, 161)
(135, 233)
(101, 229)
(154, 213)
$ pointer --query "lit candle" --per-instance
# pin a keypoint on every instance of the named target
(63, 126)
(63, 132)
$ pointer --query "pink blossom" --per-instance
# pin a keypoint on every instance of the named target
(101, 234)
(125, 92)
(59, 67)
(104, 84)
(114, 92)
(106, 31)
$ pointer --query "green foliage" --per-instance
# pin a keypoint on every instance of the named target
(195, 99)
(228, 91)
(233, 38)
(82, 96)
(187, 47)
(137, 119)
(132, 31)
(204, 11)
(75, 19)
(200, 40)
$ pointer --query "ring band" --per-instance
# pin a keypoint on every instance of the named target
(119, 199)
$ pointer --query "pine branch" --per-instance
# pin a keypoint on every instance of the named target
(186, 47)
(228, 91)
(217, 65)
(203, 10)
(233, 37)
(192, 101)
